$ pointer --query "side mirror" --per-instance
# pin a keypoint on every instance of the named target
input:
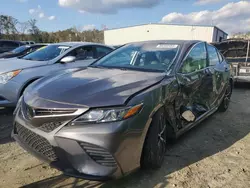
(68, 59)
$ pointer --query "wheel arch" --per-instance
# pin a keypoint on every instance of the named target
(170, 127)
(26, 85)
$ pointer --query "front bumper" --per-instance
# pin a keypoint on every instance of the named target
(95, 151)
(9, 93)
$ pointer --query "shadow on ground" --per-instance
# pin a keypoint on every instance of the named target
(63, 182)
(216, 134)
(6, 118)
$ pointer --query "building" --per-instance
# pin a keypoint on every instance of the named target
(163, 32)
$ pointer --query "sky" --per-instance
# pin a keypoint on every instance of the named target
(52, 15)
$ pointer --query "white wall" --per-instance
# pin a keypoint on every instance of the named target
(157, 32)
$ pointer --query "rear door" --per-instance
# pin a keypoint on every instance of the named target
(220, 73)
(85, 55)
(194, 94)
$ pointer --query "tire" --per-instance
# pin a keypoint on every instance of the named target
(155, 143)
(226, 99)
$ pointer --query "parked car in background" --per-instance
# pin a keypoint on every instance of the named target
(21, 51)
(116, 115)
(17, 73)
(8, 45)
(237, 52)
(28, 42)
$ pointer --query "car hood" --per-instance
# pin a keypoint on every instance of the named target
(91, 87)
(7, 65)
(7, 54)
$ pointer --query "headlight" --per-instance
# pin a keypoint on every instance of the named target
(108, 115)
(4, 78)
(18, 105)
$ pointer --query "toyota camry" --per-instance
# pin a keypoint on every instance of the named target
(118, 114)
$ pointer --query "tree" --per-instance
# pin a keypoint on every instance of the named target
(23, 29)
(34, 30)
(11, 28)
(8, 26)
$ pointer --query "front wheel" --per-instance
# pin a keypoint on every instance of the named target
(155, 144)
(226, 99)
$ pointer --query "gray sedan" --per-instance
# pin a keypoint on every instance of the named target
(17, 73)
(118, 114)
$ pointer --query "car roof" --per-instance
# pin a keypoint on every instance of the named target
(16, 41)
(75, 44)
(180, 42)
(38, 44)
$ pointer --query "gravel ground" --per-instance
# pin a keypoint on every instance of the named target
(214, 154)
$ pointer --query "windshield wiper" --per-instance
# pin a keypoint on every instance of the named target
(27, 58)
(96, 66)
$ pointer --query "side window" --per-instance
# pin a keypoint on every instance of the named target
(212, 55)
(102, 51)
(196, 59)
(1, 44)
(82, 53)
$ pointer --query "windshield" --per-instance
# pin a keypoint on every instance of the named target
(20, 49)
(147, 56)
(46, 53)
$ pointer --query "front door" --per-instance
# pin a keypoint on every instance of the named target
(195, 82)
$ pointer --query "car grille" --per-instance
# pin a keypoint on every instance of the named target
(35, 142)
(98, 154)
(50, 126)
(48, 112)
(30, 112)
(49, 117)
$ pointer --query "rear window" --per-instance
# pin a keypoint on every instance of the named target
(47, 53)
(20, 49)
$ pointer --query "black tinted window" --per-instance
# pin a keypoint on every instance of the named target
(212, 54)
(10, 44)
(196, 59)
(82, 53)
(102, 51)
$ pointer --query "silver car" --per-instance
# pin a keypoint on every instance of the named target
(17, 73)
